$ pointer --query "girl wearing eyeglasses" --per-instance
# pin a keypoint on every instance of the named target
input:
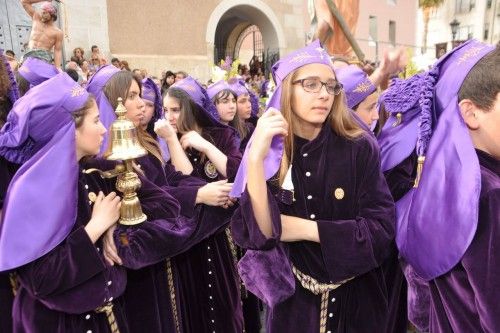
(315, 210)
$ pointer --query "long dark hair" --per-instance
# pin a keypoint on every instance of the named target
(236, 123)
(192, 117)
(118, 86)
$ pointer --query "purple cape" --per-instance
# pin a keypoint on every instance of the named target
(438, 219)
(27, 233)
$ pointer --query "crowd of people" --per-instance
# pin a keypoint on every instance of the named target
(351, 201)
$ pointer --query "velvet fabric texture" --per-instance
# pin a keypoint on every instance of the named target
(147, 298)
(209, 285)
(355, 215)
(60, 291)
(465, 299)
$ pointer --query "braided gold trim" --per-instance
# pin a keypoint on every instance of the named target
(14, 283)
(108, 310)
(171, 286)
(232, 247)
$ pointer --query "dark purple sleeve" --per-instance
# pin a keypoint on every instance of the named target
(73, 277)
(153, 241)
(401, 178)
(164, 234)
(356, 246)
(183, 188)
(68, 265)
(482, 263)
(246, 231)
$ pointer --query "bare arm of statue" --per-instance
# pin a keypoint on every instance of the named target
(28, 7)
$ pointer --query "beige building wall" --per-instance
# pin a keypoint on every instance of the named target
(402, 12)
(85, 23)
(179, 34)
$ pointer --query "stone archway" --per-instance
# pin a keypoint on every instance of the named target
(232, 17)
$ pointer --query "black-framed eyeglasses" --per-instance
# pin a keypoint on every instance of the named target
(314, 85)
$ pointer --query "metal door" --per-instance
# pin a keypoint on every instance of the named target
(15, 27)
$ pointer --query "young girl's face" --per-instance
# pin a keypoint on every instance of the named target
(172, 108)
(244, 106)
(149, 110)
(311, 102)
(90, 135)
(367, 109)
(134, 104)
(226, 107)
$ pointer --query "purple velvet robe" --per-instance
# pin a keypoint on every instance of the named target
(148, 299)
(251, 304)
(465, 299)
(408, 293)
(355, 231)
(400, 180)
(209, 289)
(7, 171)
(60, 291)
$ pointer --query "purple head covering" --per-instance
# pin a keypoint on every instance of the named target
(311, 54)
(216, 88)
(152, 93)
(14, 90)
(199, 95)
(403, 101)
(356, 84)
(96, 87)
(438, 219)
(239, 88)
(27, 233)
(36, 71)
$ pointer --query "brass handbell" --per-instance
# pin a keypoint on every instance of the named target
(125, 147)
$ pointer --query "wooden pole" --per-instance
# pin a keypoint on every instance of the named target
(345, 29)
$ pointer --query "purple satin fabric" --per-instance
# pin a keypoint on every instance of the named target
(437, 221)
(216, 88)
(311, 54)
(96, 87)
(36, 71)
(29, 232)
(357, 85)
(199, 95)
(44, 224)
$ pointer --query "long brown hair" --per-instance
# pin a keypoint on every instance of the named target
(340, 120)
(236, 123)
(119, 86)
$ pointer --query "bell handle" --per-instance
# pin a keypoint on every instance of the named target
(119, 168)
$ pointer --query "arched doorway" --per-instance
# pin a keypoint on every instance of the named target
(235, 25)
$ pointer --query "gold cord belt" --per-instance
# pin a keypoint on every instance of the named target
(232, 247)
(108, 310)
(318, 288)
